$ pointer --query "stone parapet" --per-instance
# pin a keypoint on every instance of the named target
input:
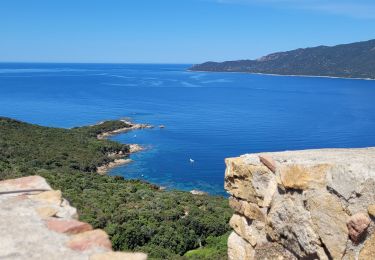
(38, 223)
(311, 204)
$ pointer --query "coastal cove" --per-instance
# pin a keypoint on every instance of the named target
(207, 116)
(138, 216)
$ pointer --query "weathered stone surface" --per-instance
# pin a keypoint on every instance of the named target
(251, 159)
(272, 251)
(68, 226)
(365, 196)
(290, 224)
(238, 179)
(304, 177)
(24, 233)
(118, 256)
(357, 226)
(239, 249)
(249, 181)
(268, 161)
(347, 178)
(66, 211)
(252, 231)
(368, 250)
(249, 210)
(306, 198)
(329, 219)
(371, 210)
(350, 255)
(265, 185)
(24, 183)
(89, 239)
(46, 212)
(341, 182)
(52, 197)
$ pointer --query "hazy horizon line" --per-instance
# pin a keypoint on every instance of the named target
(100, 62)
(182, 63)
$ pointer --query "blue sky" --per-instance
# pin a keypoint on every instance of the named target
(175, 31)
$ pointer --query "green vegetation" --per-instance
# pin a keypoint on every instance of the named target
(355, 60)
(216, 248)
(137, 215)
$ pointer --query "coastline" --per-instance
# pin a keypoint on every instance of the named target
(120, 158)
(132, 126)
(283, 75)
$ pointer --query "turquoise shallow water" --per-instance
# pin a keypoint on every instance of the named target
(208, 116)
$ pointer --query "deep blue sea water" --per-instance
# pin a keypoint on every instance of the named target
(208, 116)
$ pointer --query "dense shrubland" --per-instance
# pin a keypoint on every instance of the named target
(137, 215)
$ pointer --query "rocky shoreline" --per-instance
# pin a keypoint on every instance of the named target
(120, 157)
(131, 127)
(198, 192)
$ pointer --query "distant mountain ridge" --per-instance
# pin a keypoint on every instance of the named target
(354, 60)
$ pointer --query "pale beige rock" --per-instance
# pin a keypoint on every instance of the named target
(265, 185)
(238, 179)
(135, 148)
(368, 250)
(24, 231)
(95, 238)
(329, 219)
(371, 210)
(52, 197)
(365, 195)
(290, 224)
(118, 256)
(198, 192)
(304, 177)
(273, 251)
(344, 184)
(239, 249)
(116, 163)
(249, 181)
(306, 198)
(46, 212)
(249, 210)
(357, 226)
(66, 211)
(350, 255)
(252, 231)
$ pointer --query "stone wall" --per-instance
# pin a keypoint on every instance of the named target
(36, 222)
(313, 204)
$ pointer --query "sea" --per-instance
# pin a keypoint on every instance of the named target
(207, 116)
